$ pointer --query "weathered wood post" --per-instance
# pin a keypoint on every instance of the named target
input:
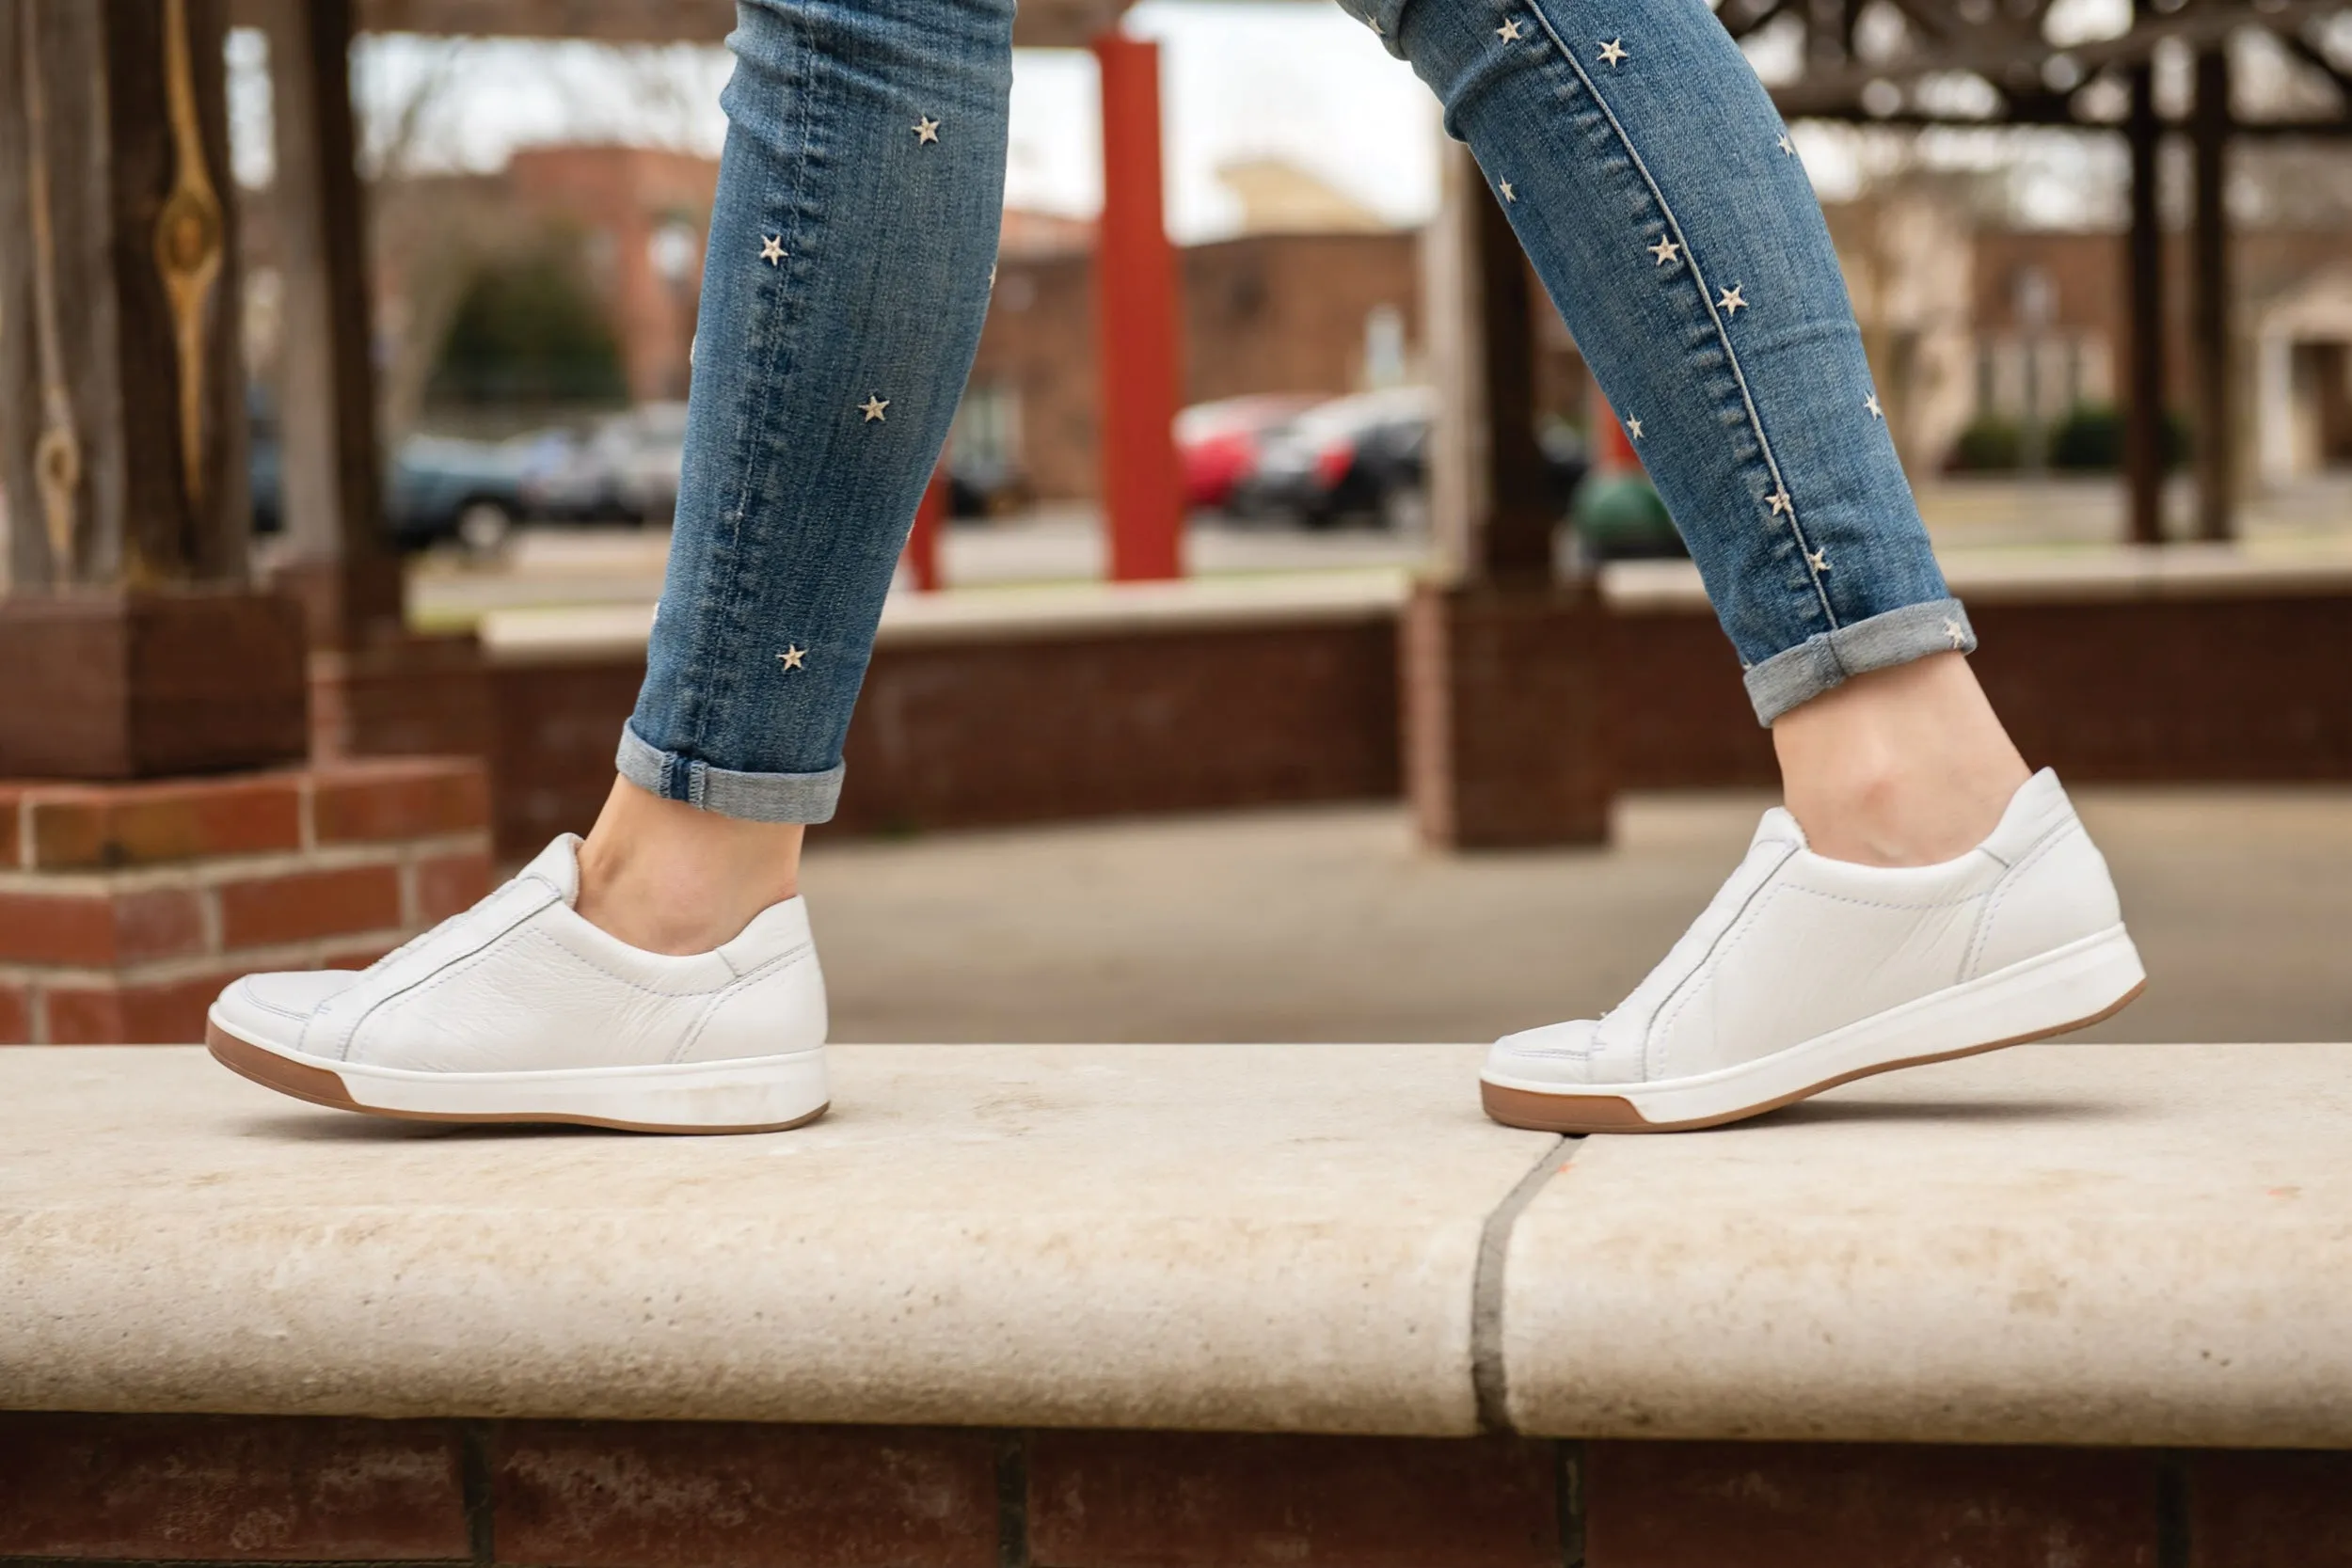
(131, 641)
(1504, 742)
(2209, 300)
(375, 688)
(2144, 379)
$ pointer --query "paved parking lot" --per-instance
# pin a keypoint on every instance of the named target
(1329, 924)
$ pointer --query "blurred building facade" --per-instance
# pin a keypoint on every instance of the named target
(1967, 320)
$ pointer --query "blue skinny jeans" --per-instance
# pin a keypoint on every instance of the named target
(852, 249)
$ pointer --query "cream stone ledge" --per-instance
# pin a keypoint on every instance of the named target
(2056, 1244)
(555, 634)
(962, 615)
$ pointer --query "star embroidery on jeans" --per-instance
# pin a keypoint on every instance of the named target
(772, 249)
(1509, 31)
(1871, 403)
(926, 130)
(1633, 429)
(1612, 54)
(1957, 633)
(1782, 503)
(793, 655)
(1667, 250)
(1734, 301)
(1787, 147)
(1378, 31)
(872, 408)
(1817, 560)
(1508, 194)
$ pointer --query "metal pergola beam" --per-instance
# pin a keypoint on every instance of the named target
(2010, 51)
(1039, 23)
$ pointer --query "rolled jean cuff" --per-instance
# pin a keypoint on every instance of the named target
(749, 797)
(1819, 663)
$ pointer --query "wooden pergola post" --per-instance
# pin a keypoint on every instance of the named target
(2143, 316)
(1499, 664)
(131, 641)
(375, 688)
(2209, 301)
(336, 561)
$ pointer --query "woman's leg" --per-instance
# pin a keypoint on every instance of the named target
(663, 977)
(1922, 896)
(852, 249)
(1657, 192)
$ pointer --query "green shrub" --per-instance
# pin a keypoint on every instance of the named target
(1990, 445)
(2090, 439)
(529, 331)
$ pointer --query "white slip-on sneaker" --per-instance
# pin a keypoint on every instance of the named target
(520, 1011)
(1806, 971)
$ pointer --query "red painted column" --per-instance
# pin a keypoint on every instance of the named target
(1135, 323)
(922, 551)
(1612, 447)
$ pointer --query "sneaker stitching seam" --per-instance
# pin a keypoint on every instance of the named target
(548, 940)
(759, 971)
(1723, 951)
(2008, 883)
(1881, 903)
(459, 967)
(1654, 1052)
(1653, 1033)
(351, 1035)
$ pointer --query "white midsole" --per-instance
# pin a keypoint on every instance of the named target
(2065, 986)
(752, 1091)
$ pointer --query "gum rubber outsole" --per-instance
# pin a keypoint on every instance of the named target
(322, 1086)
(1538, 1112)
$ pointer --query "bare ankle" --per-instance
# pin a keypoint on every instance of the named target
(667, 878)
(1901, 767)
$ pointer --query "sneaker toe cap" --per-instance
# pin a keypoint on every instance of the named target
(271, 1009)
(1557, 1054)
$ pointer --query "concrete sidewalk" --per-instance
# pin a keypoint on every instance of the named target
(2055, 1244)
(1328, 924)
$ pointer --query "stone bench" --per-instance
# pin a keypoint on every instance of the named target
(1279, 1305)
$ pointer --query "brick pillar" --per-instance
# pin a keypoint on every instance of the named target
(124, 907)
(1505, 745)
(1501, 668)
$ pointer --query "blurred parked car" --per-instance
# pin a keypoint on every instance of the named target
(1218, 441)
(443, 488)
(625, 470)
(435, 488)
(1353, 459)
(1365, 459)
(985, 487)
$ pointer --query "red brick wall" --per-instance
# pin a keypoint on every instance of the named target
(2229, 688)
(1014, 730)
(206, 1489)
(125, 908)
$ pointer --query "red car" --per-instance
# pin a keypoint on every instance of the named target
(1218, 441)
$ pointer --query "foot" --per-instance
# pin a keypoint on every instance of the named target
(519, 1009)
(1806, 971)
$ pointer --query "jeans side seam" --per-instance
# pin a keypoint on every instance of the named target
(1698, 278)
